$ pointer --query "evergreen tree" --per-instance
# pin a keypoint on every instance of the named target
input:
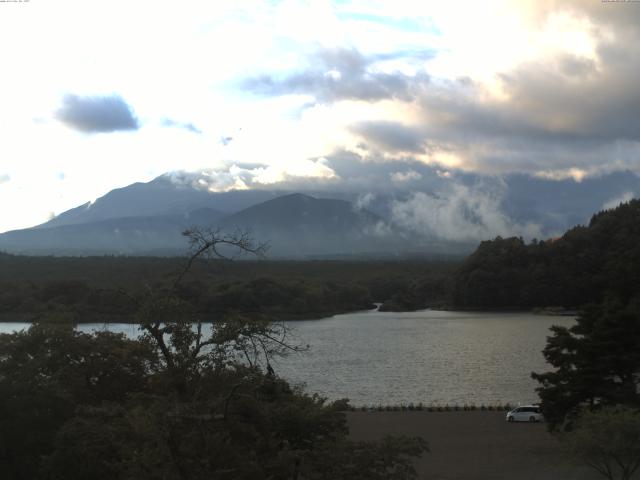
(597, 362)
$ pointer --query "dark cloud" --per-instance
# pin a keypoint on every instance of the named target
(443, 203)
(574, 66)
(568, 102)
(97, 114)
(250, 165)
(552, 121)
(461, 205)
(563, 112)
(391, 136)
(373, 174)
(190, 127)
(337, 74)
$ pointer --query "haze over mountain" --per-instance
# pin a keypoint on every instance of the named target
(434, 214)
(162, 196)
(294, 225)
(298, 225)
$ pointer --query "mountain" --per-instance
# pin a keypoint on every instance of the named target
(165, 195)
(298, 224)
(437, 214)
(294, 225)
(161, 234)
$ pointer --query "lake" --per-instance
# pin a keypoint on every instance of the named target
(434, 357)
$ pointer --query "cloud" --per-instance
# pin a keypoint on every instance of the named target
(464, 214)
(363, 201)
(339, 74)
(244, 176)
(4, 178)
(391, 136)
(567, 105)
(380, 229)
(96, 114)
(404, 177)
(563, 114)
(572, 108)
(190, 127)
(614, 202)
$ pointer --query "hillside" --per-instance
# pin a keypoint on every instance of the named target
(299, 224)
(165, 195)
(160, 234)
(582, 266)
(293, 225)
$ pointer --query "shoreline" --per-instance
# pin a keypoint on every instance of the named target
(22, 317)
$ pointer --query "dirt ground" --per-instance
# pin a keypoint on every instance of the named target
(475, 445)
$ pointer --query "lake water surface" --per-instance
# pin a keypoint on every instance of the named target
(429, 356)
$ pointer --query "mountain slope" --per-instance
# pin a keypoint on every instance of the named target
(162, 196)
(160, 234)
(582, 266)
(298, 224)
(438, 214)
(294, 225)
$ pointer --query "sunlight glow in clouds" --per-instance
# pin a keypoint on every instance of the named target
(544, 87)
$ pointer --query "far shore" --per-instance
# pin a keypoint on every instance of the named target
(475, 445)
(8, 317)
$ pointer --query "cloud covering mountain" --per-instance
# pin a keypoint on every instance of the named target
(407, 209)
(399, 99)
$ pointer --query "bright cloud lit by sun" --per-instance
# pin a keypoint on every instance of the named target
(97, 95)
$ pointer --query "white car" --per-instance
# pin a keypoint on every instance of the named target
(525, 413)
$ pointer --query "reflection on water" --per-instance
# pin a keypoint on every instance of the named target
(430, 356)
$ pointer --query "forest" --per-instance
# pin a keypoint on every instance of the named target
(100, 288)
(579, 267)
(584, 265)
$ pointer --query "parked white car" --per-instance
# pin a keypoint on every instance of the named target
(525, 413)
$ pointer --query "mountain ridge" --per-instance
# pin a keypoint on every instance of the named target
(338, 228)
(390, 220)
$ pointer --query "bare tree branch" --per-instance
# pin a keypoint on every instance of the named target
(206, 242)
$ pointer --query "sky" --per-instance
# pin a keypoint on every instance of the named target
(97, 95)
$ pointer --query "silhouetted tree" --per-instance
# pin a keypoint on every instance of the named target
(597, 362)
(187, 400)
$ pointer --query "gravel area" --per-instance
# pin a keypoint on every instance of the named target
(475, 445)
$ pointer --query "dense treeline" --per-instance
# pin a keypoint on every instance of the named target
(580, 267)
(103, 288)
